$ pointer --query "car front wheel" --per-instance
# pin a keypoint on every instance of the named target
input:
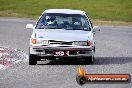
(32, 59)
(89, 60)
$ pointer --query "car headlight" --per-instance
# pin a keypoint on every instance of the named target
(45, 42)
(80, 43)
(83, 43)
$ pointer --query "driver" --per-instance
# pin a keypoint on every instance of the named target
(51, 21)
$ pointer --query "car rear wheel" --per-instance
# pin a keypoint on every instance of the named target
(32, 59)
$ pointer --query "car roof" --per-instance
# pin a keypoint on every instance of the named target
(64, 11)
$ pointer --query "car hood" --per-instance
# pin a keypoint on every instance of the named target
(62, 35)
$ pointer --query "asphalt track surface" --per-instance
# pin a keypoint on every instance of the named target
(113, 55)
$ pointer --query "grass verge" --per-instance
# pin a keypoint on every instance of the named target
(112, 10)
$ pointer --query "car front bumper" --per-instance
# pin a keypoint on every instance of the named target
(74, 51)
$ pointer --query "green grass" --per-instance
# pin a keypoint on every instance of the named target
(110, 10)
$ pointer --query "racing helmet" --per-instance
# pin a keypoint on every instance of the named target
(50, 19)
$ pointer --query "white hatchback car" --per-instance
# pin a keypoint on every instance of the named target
(61, 34)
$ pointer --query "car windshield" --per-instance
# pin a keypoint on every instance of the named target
(63, 21)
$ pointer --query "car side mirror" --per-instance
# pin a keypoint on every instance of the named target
(29, 26)
(96, 28)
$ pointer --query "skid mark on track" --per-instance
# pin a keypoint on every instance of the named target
(9, 57)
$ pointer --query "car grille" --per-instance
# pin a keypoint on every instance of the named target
(60, 42)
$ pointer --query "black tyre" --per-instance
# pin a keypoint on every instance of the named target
(89, 60)
(80, 80)
(32, 59)
(94, 49)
